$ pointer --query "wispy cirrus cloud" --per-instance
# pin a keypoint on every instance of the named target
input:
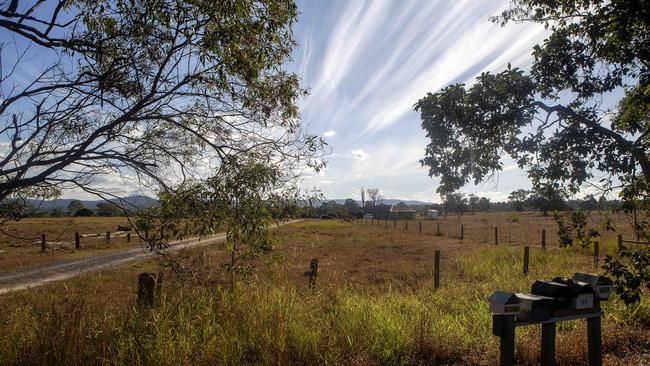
(367, 62)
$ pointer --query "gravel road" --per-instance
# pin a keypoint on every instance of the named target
(61, 270)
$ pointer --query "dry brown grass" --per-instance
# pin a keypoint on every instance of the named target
(22, 248)
(371, 281)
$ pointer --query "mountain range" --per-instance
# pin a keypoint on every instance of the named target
(138, 202)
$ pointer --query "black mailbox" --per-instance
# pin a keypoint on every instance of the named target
(582, 294)
(560, 293)
(601, 285)
(535, 308)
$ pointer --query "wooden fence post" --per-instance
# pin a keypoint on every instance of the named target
(526, 258)
(146, 288)
(385, 223)
(438, 229)
(436, 270)
(77, 240)
(462, 231)
(395, 224)
(43, 243)
(313, 273)
(596, 253)
(544, 239)
(406, 225)
(108, 238)
(620, 242)
(128, 237)
(496, 235)
(420, 227)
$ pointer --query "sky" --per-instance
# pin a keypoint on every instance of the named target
(366, 63)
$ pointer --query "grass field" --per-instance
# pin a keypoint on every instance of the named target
(22, 248)
(374, 303)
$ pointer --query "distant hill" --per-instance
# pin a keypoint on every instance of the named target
(131, 202)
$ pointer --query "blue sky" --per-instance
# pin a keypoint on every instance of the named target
(367, 62)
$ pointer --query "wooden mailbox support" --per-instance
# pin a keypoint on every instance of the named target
(504, 326)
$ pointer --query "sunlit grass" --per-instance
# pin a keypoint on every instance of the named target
(273, 320)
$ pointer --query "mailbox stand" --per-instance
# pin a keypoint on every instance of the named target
(504, 326)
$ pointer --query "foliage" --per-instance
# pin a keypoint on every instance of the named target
(518, 199)
(455, 202)
(74, 206)
(547, 197)
(596, 50)
(157, 92)
(631, 274)
(84, 212)
(108, 209)
(241, 199)
(471, 128)
(574, 230)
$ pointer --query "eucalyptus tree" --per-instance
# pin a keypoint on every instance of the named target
(581, 113)
(163, 92)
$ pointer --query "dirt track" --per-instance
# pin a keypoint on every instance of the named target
(61, 270)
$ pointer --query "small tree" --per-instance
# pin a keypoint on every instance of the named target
(351, 206)
(518, 199)
(84, 212)
(74, 206)
(455, 202)
(108, 209)
(484, 204)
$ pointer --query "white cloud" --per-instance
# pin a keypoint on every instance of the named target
(329, 133)
(359, 154)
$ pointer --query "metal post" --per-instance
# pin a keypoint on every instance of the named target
(548, 344)
(544, 239)
(594, 341)
(436, 270)
(77, 240)
(526, 258)
(503, 326)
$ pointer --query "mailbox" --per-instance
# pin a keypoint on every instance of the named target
(535, 308)
(582, 294)
(505, 303)
(560, 293)
(601, 285)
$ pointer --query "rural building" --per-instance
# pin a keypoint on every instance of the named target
(389, 212)
(432, 214)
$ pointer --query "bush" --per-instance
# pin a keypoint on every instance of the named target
(84, 212)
